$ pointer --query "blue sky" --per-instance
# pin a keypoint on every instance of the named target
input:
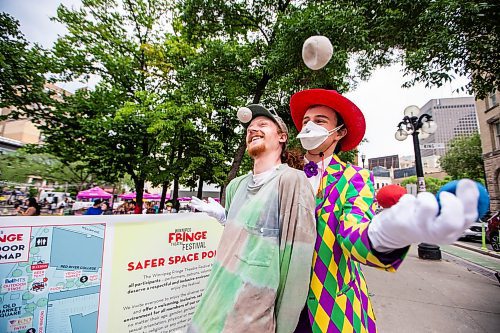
(381, 98)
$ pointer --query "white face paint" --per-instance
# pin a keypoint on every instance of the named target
(313, 135)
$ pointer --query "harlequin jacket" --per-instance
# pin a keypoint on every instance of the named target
(338, 299)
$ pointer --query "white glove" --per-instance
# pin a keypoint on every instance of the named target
(212, 208)
(415, 220)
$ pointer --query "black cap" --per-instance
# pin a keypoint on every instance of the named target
(259, 110)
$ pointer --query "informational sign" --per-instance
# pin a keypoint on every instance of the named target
(432, 146)
(14, 245)
(421, 184)
(137, 273)
(159, 272)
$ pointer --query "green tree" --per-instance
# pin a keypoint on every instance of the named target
(18, 166)
(22, 70)
(442, 39)
(113, 127)
(220, 55)
(139, 120)
(249, 51)
(464, 158)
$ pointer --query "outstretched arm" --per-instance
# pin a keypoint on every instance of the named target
(420, 219)
(352, 232)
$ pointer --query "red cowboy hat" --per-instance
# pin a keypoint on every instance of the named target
(352, 115)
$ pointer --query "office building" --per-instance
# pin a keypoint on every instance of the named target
(387, 162)
(488, 113)
(23, 130)
(454, 117)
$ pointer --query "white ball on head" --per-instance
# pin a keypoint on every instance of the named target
(244, 114)
(317, 52)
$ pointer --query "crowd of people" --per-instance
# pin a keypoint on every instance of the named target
(148, 207)
(33, 207)
(100, 207)
(29, 207)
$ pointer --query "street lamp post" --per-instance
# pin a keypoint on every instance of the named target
(363, 156)
(420, 127)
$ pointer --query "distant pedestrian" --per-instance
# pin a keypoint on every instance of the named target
(169, 208)
(95, 209)
(106, 209)
(33, 208)
(18, 206)
(53, 205)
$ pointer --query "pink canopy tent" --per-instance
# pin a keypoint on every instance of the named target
(148, 196)
(94, 193)
(155, 196)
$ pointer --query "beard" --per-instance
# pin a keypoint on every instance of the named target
(256, 149)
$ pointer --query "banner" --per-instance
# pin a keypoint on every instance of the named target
(126, 273)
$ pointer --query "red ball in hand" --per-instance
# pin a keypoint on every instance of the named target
(389, 195)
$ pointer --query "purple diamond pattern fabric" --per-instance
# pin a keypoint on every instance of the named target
(338, 299)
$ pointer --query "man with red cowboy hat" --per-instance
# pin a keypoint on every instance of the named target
(258, 282)
(348, 234)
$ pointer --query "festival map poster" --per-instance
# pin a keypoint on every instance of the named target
(159, 272)
(50, 276)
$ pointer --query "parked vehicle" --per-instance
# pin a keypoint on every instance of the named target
(493, 232)
(473, 232)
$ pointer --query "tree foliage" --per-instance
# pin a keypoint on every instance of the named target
(441, 39)
(114, 127)
(22, 69)
(249, 52)
(173, 74)
(18, 166)
(258, 45)
(464, 158)
(140, 119)
(431, 184)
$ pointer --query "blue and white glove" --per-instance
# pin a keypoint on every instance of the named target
(419, 219)
(212, 208)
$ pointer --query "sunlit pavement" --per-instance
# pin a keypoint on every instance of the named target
(450, 295)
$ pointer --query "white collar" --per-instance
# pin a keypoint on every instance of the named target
(260, 178)
(315, 180)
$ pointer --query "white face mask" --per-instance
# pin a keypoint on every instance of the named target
(313, 135)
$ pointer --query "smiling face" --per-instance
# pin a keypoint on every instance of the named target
(263, 136)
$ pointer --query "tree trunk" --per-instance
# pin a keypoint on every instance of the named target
(139, 193)
(163, 195)
(222, 191)
(240, 152)
(113, 197)
(200, 188)
(175, 195)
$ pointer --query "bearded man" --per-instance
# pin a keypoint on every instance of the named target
(259, 280)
